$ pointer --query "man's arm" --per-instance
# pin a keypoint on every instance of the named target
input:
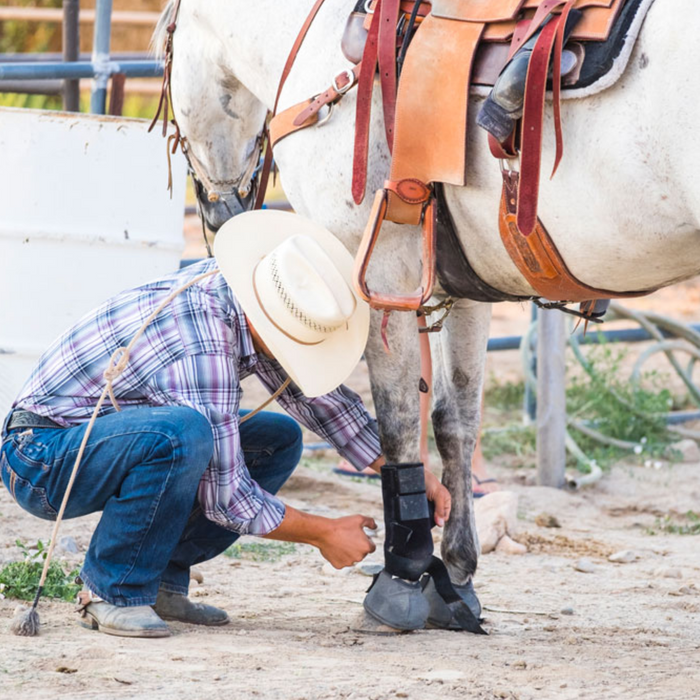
(341, 541)
(227, 493)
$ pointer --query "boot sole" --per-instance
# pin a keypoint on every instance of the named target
(93, 624)
(219, 623)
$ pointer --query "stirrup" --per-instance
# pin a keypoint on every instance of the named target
(396, 302)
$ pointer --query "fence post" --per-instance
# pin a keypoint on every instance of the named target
(551, 399)
(100, 56)
(71, 52)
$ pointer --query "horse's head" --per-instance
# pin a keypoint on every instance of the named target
(221, 122)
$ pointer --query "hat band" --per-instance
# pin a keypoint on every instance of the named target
(271, 320)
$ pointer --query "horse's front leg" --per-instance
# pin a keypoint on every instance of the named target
(396, 598)
(459, 356)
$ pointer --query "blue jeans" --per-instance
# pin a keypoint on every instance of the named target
(141, 468)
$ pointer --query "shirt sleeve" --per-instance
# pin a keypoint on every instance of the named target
(227, 493)
(339, 417)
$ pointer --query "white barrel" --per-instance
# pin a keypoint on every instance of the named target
(84, 213)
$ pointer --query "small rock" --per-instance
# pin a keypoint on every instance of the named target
(196, 575)
(688, 450)
(506, 545)
(624, 556)
(567, 611)
(369, 568)
(668, 572)
(199, 593)
(519, 664)
(496, 515)
(68, 544)
(66, 669)
(585, 566)
(547, 520)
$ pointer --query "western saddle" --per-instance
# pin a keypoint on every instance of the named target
(428, 55)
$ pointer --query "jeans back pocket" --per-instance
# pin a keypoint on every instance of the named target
(31, 498)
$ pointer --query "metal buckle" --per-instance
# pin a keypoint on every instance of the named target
(368, 7)
(351, 81)
(328, 116)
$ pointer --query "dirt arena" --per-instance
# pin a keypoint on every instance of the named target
(615, 630)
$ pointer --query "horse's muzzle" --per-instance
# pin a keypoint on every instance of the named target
(217, 211)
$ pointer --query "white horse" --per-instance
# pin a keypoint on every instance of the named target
(623, 210)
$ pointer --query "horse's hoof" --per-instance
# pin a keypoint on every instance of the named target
(364, 623)
(447, 616)
(397, 603)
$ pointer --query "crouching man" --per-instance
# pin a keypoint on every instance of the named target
(176, 473)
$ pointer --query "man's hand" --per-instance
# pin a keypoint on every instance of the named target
(343, 541)
(440, 496)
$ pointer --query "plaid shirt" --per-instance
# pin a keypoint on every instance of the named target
(194, 354)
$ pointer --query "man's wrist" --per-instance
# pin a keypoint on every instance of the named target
(378, 464)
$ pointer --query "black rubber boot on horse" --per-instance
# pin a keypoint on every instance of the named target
(504, 105)
(396, 598)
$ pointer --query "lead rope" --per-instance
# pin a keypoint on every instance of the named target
(26, 622)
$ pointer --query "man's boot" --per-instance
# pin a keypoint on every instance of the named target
(504, 105)
(175, 606)
(136, 621)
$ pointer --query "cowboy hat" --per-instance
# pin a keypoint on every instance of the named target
(293, 279)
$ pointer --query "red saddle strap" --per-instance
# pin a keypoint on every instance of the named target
(533, 115)
(533, 118)
(363, 108)
(388, 20)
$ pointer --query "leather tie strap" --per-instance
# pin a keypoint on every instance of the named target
(389, 17)
(533, 118)
(363, 109)
(556, 82)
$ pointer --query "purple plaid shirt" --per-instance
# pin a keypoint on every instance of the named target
(193, 354)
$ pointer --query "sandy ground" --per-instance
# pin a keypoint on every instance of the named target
(620, 631)
(634, 630)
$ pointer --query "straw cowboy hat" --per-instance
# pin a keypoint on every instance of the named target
(293, 279)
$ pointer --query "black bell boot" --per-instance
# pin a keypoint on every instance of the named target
(396, 597)
(504, 105)
(442, 615)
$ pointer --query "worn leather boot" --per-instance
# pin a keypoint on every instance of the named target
(504, 105)
(174, 606)
(137, 621)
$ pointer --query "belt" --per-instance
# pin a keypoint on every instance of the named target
(26, 419)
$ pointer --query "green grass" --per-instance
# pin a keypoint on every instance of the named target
(686, 524)
(20, 579)
(600, 396)
(618, 408)
(260, 551)
(506, 396)
(516, 440)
